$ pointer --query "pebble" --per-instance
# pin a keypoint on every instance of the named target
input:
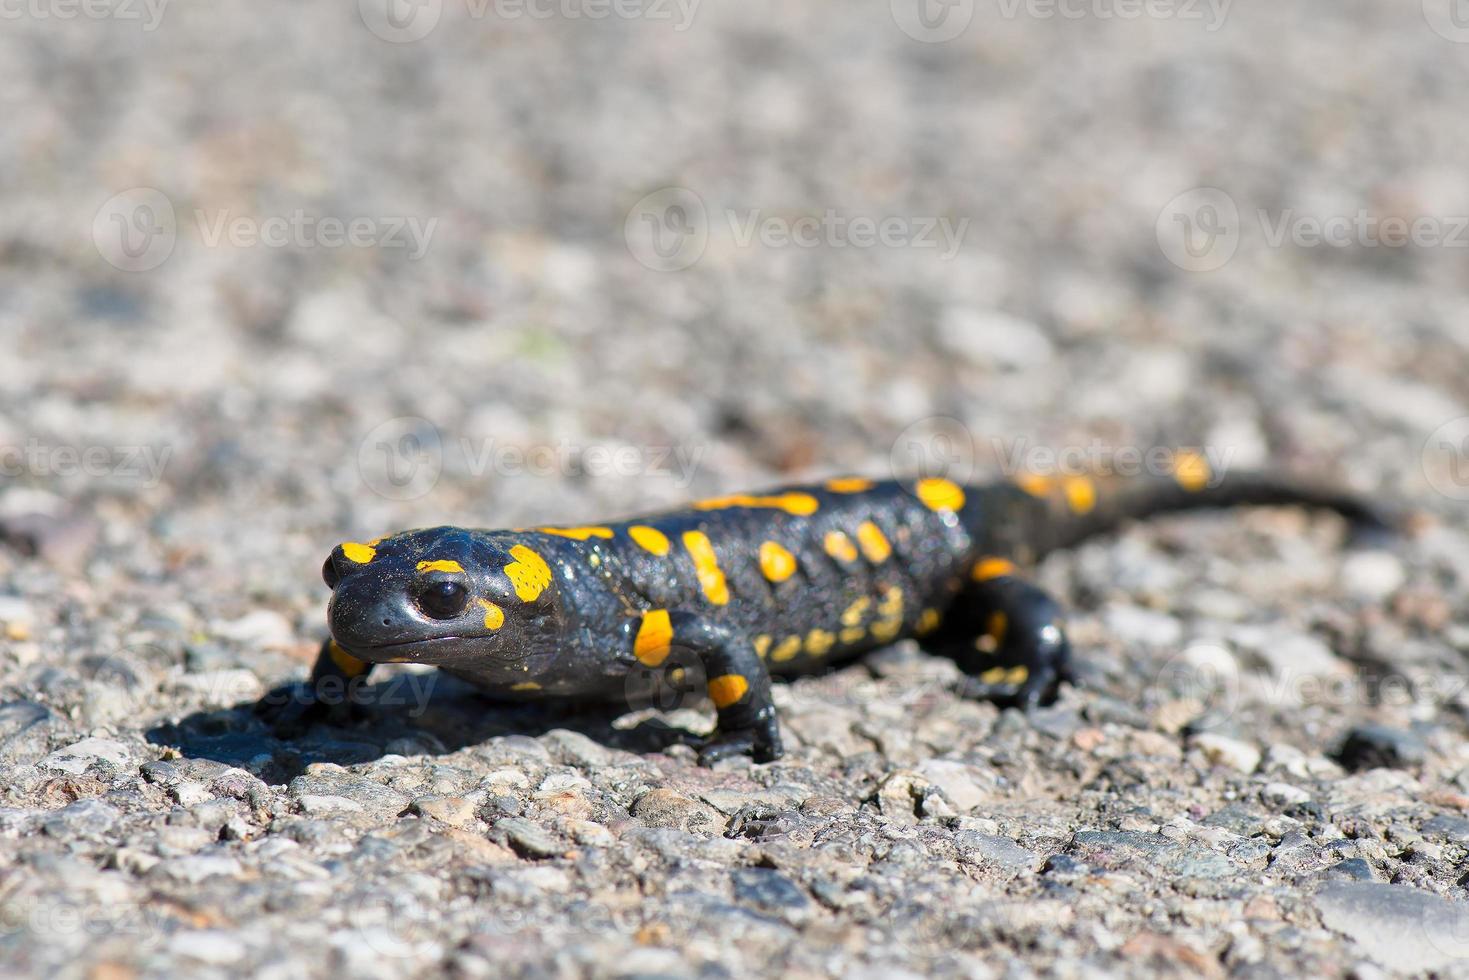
(1399, 927)
(1221, 750)
(78, 756)
(263, 628)
(992, 337)
(995, 851)
(1381, 746)
(666, 808)
(1372, 576)
(1283, 795)
(770, 891)
(455, 811)
(529, 839)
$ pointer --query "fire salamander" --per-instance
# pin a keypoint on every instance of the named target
(749, 586)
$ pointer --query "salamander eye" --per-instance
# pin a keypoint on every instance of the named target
(329, 574)
(443, 600)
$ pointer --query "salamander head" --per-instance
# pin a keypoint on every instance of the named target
(444, 596)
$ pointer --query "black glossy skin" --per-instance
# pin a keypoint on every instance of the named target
(944, 570)
(576, 639)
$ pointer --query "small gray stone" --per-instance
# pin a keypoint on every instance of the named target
(1352, 869)
(84, 818)
(1399, 927)
(529, 839)
(1222, 750)
(75, 758)
(770, 891)
(995, 851)
(665, 808)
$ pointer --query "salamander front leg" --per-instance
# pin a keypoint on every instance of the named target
(326, 696)
(739, 686)
(1006, 635)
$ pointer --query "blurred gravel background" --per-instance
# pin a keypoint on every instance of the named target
(555, 310)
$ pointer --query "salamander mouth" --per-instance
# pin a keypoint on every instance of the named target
(435, 651)
(412, 643)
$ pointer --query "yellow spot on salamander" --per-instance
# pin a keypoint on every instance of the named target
(799, 504)
(848, 484)
(819, 641)
(762, 645)
(940, 494)
(529, 573)
(853, 614)
(997, 625)
(440, 565)
(706, 566)
(1081, 494)
(655, 633)
(874, 543)
(885, 630)
(1191, 470)
(494, 615)
(890, 609)
(650, 539)
(992, 567)
(360, 553)
(852, 634)
(786, 649)
(346, 663)
(928, 621)
(1017, 675)
(1034, 484)
(577, 533)
(839, 546)
(727, 689)
(525, 686)
(995, 675)
(776, 563)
